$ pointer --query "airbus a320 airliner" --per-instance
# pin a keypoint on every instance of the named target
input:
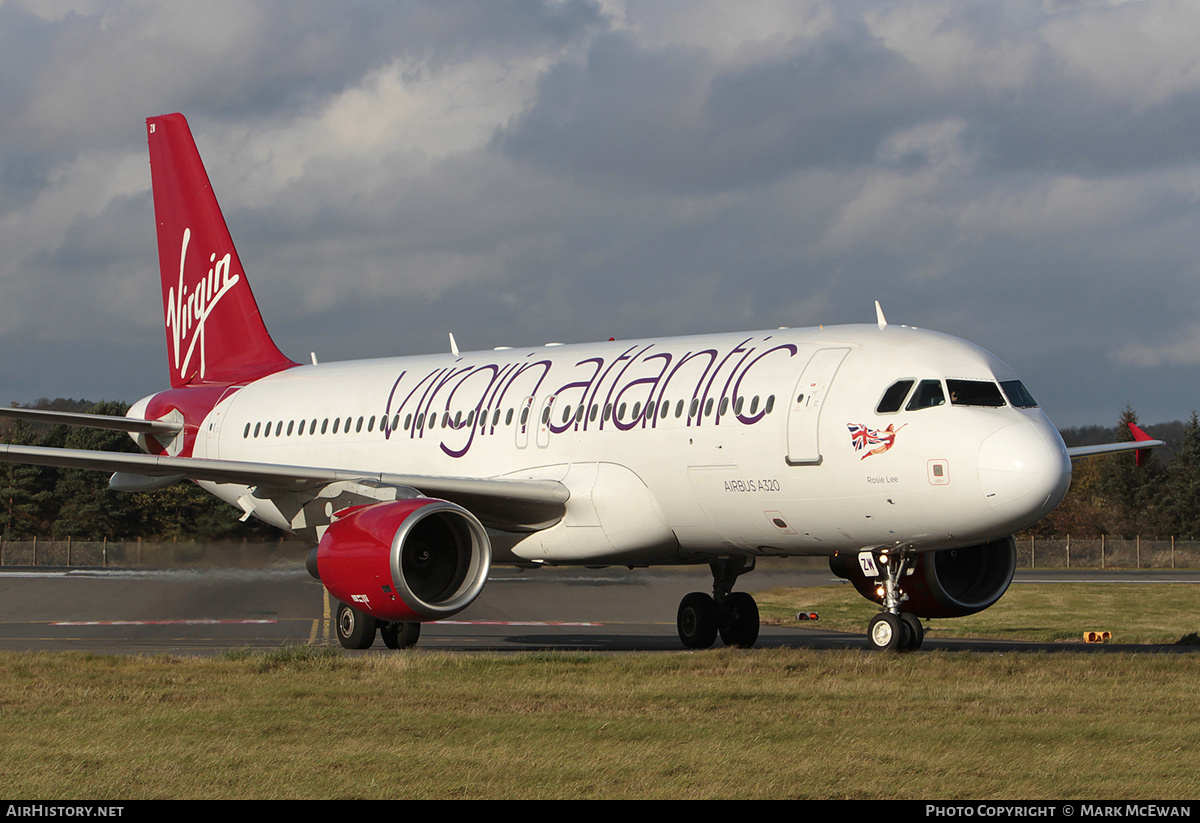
(907, 457)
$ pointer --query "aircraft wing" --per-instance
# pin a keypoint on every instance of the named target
(505, 503)
(94, 421)
(1141, 443)
(1076, 452)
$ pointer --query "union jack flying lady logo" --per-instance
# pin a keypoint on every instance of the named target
(874, 441)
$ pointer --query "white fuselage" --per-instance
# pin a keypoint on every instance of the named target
(766, 443)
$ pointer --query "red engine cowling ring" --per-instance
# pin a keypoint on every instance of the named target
(409, 560)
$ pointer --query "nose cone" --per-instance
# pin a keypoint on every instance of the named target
(1024, 472)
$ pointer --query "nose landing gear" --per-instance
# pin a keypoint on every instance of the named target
(892, 629)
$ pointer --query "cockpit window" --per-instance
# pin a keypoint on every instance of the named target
(1018, 395)
(974, 393)
(893, 398)
(928, 393)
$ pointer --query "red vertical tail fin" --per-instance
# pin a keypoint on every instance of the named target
(215, 334)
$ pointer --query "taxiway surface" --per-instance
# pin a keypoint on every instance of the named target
(208, 612)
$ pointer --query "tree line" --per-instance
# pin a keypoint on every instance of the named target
(1109, 495)
(1113, 496)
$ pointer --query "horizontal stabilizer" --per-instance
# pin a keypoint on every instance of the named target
(94, 421)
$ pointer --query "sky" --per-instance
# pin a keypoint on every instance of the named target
(1024, 175)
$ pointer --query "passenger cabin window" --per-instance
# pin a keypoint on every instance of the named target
(892, 399)
(974, 393)
(1018, 395)
(928, 393)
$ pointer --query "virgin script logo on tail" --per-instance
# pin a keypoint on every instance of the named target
(189, 307)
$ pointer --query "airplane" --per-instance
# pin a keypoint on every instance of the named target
(907, 457)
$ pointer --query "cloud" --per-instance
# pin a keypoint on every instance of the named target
(1020, 174)
(677, 118)
(1183, 351)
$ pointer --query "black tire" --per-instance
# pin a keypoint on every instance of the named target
(400, 635)
(697, 620)
(355, 629)
(916, 631)
(739, 621)
(886, 632)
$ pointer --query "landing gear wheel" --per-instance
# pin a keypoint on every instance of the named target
(887, 632)
(400, 635)
(916, 632)
(697, 620)
(355, 629)
(739, 620)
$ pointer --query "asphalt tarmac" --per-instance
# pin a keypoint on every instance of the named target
(603, 610)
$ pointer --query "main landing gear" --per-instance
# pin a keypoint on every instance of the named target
(892, 629)
(356, 630)
(733, 615)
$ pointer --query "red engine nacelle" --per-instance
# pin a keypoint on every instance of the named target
(406, 561)
(946, 583)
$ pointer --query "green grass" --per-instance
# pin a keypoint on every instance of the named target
(772, 723)
(1045, 612)
(312, 722)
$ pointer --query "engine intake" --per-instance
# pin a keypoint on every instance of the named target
(946, 583)
(408, 560)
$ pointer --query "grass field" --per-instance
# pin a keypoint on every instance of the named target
(309, 722)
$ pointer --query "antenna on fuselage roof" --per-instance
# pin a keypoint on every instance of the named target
(453, 345)
(879, 318)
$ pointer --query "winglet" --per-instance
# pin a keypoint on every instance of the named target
(1139, 436)
(879, 318)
